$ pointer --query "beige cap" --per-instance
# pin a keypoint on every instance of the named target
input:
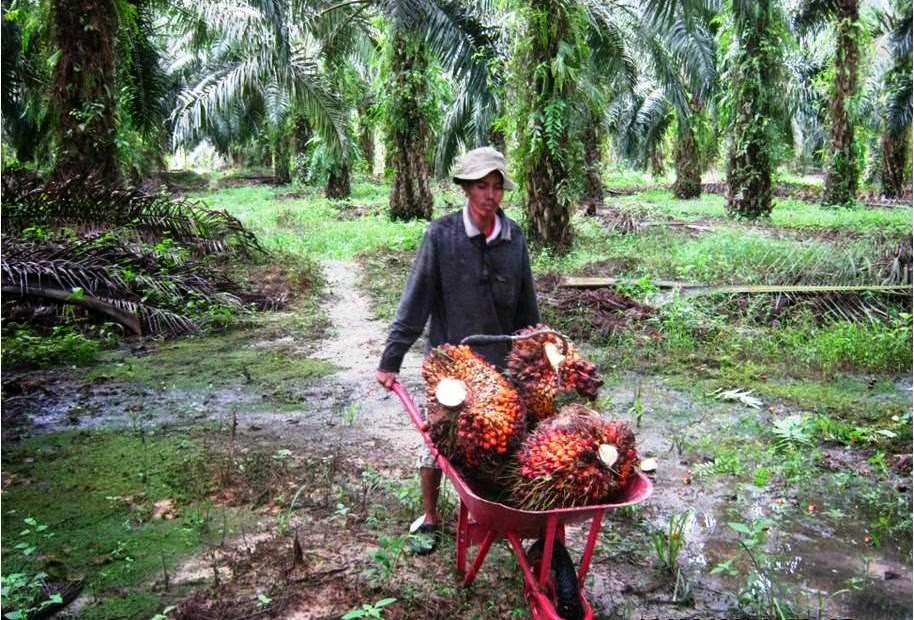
(478, 163)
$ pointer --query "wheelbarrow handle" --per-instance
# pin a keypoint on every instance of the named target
(497, 338)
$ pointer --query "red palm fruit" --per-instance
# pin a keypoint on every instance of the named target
(575, 458)
(476, 418)
(541, 371)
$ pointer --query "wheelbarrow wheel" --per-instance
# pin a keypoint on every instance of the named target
(563, 582)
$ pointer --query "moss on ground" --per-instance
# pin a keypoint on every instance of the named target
(195, 363)
(90, 500)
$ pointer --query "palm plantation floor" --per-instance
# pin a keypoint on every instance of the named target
(301, 445)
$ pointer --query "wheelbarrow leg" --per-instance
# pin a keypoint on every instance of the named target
(588, 548)
(541, 607)
(481, 554)
(552, 524)
(463, 538)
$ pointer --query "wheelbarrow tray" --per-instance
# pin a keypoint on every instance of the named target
(482, 521)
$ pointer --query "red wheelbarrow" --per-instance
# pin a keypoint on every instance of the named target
(552, 589)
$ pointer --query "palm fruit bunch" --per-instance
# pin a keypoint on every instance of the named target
(476, 418)
(541, 370)
(575, 458)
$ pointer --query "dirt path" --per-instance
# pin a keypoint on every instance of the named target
(354, 346)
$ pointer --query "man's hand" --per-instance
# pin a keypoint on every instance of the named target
(387, 379)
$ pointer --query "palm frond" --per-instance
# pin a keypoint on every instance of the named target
(451, 138)
(315, 95)
(234, 19)
(813, 14)
(146, 82)
(214, 95)
(900, 37)
(85, 204)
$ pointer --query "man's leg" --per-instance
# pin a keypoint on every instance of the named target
(430, 484)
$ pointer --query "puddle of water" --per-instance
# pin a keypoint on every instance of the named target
(816, 554)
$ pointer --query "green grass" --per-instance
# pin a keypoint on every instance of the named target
(620, 177)
(95, 493)
(306, 224)
(727, 255)
(788, 213)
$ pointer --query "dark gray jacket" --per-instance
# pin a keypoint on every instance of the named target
(467, 287)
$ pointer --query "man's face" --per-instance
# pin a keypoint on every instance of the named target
(484, 195)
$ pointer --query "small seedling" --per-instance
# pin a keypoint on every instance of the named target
(349, 414)
(370, 610)
(637, 408)
(668, 547)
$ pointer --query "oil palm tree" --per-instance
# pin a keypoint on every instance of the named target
(250, 65)
(549, 56)
(83, 101)
(843, 170)
(752, 70)
(61, 117)
(423, 32)
(886, 98)
(678, 80)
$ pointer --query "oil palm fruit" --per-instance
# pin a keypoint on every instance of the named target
(476, 418)
(541, 370)
(575, 458)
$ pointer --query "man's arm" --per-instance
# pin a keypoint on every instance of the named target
(414, 309)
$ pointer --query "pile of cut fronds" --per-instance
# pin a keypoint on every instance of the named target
(868, 280)
(81, 252)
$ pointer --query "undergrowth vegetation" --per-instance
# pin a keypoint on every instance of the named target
(813, 378)
(126, 506)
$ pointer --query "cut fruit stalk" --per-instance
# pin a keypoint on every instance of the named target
(609, 454)
(451, 392)
(552, 354)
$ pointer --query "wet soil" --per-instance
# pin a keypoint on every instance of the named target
(340, 425)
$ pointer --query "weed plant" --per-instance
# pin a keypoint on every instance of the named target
(24, 348)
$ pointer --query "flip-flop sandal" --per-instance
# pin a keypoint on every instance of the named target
(424, 540)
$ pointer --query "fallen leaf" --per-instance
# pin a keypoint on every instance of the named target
(743, 396)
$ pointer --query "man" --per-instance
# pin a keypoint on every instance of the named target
(470, 276)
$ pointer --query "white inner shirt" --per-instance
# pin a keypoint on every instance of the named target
(471, 229)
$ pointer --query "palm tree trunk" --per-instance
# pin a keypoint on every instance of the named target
(366, 145)
(82, 98)
(895, 149)
(655, 162)
(281, 156)
(301, 134)
(408, 129)
(366, 133)
(688, 164)
(748, 162)
(843, 173)
(338, 182)
(592, 198)
(549, 144)
(498, 141)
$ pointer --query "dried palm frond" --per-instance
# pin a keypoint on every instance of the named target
(87, 206)
(138, 317)
(100, 264)
(618, 220)
(118, 281)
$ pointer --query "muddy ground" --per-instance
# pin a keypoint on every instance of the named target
(350, 468)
